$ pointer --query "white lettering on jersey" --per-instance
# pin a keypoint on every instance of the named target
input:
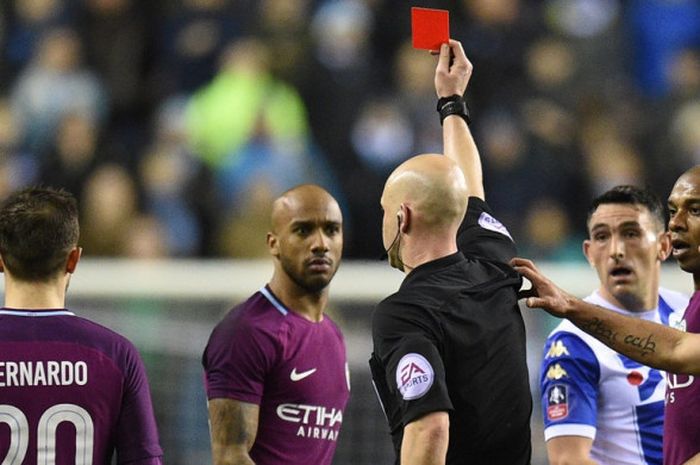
(40, 373)
(317, 422)
(310, 414)
(317, 433)
(679, 381)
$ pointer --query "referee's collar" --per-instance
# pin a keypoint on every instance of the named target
(437, 264)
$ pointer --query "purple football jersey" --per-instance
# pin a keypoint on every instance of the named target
(682, 418)
(294, 369)
(71, 392)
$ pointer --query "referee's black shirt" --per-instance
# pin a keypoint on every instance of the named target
(452, 339)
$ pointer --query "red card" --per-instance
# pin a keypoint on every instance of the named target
(431, 28)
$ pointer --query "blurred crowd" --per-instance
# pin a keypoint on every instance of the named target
(176, 122)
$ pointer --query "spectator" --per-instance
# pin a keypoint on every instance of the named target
(53, 85)
(109, 203)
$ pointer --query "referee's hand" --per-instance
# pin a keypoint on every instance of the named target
(453, 70)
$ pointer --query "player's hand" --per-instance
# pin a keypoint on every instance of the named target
(453, 70)
(543, 293)
(695, 460)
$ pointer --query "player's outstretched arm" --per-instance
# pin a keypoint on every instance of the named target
(649, 343)
(452, 79)
(425, 440)
(695, 460)
(234, 426)
(570, 449)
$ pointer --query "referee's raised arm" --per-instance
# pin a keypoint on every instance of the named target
(451, 79)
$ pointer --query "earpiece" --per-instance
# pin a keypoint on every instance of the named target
(399, 215)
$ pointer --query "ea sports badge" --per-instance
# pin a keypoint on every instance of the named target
(414, 376)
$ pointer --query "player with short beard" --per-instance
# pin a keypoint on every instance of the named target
(600, 407)
(276, 369)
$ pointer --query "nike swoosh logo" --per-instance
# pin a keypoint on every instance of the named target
(294, 376)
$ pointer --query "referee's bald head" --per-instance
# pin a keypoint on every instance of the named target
(434, 187)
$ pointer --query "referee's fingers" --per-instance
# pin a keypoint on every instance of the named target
(460, 60)
(443, 65)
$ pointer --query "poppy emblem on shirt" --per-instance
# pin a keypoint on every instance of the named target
(557, 402)
(414, 376)
(635, 378)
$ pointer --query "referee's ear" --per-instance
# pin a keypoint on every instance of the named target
(404, 218)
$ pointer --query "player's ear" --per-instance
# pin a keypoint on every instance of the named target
(73, 259)
(587, 252)
(273, 244)
(665, 247)
(2, 265)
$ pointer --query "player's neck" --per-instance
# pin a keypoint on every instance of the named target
(632, 303)
(309, 305)
(32, 295)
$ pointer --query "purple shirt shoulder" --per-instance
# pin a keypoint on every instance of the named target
(682, 417)
(72, 392)
(295, 370)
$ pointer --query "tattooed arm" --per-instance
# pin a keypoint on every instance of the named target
(234, 426)
(649, 343)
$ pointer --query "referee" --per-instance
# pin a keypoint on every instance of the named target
(449, 347)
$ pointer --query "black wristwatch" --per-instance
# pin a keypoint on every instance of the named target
(453, 105)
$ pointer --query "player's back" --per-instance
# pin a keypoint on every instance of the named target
(71, 391)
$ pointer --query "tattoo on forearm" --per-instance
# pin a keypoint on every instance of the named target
(247, 428)
(234, 423)
(596, 328)
(646, 344)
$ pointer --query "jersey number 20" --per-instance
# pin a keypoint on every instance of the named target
(46, 433)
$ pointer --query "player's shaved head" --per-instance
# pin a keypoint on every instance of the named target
(690, 177)
(306, 238)
(686, 186)
(433, 185)
(301, 198)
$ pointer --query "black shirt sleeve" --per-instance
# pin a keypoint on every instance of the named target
(482, 235)
(407, 366)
